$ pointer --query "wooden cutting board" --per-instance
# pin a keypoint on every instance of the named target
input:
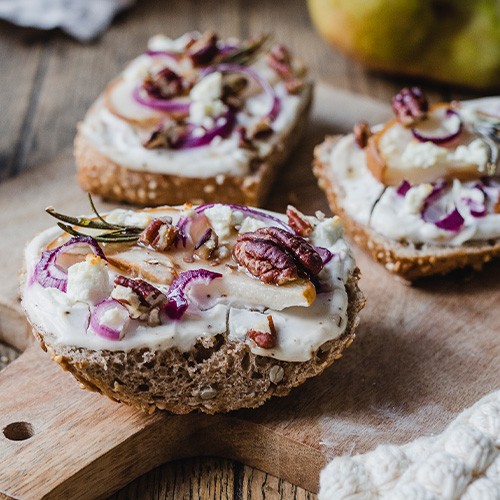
(422, 354)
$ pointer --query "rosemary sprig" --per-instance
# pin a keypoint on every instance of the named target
(112, 233)
(248, 51)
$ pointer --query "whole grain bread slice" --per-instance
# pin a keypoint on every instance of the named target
(217, 375)
(99, 175)
(405, 259)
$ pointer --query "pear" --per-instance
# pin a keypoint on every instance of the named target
(453, 41)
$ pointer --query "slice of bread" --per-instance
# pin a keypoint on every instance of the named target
(405, 259)
(219, 372)
(170, 175)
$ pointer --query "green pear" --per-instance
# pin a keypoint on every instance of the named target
(453, 41)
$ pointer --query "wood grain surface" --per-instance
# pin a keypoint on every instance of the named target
(48, 80)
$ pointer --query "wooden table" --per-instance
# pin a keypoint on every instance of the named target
(48, 80)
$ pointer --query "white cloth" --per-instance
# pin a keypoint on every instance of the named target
(461, 463)
(82, 19)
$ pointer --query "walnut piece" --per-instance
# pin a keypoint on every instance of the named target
(410, 106)
(265, 339)
(160, 234)
(298, 222)
(362, 132)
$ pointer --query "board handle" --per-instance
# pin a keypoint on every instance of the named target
(58, 441)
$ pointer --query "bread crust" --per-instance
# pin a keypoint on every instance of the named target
(99, 175)
(217, 375)
(404, 259)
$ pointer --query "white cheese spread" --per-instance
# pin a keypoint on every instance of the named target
(122, 141)
(371, 203)
(301, 330)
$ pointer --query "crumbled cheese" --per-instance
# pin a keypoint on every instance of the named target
(129, 299)
(187, 211)
(88, 281)
(163, 43)
(476, 153)
(327, 231)
(201, 112)
(222, 219)
(129, 218)
(415, 197)
(423, 154)
(461, 192)
(115, 318)
(251, 224)
(206, 102)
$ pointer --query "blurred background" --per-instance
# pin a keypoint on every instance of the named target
(49, 77)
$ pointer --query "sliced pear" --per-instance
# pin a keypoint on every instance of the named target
(120, 101)
(388, 163)
(241, 290)
(138, 262)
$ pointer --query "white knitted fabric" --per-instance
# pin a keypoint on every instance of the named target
(461, 463)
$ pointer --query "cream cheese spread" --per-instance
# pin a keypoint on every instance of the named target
(122, 141)
(301, 331)
(371, 203)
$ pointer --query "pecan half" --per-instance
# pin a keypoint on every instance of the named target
(410, 106)
(294, 85)
(265, 260)
(295, 246)
(232, 86)
(265, 340)
(204, 50)
(160, 234)
(207, 245)
(141, 299)
(298, 222)
(279, 59)
(164, 84)
(362, 132)
(243, 140)
(261, 128)
(168, 135)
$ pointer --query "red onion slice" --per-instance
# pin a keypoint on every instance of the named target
(177, 302)
(170, 55)
(49, 274)
(224, 129)
(433, 213)
(167, 105)
(183, 222)
(275, 107)
(403, 188)
(325, 254)
(440, 139)
(97, 320)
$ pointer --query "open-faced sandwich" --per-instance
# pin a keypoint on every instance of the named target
(210, 308)
(420, 192)
(195, 118)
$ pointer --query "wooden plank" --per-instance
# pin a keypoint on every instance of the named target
(22, 72)
(422, 354)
